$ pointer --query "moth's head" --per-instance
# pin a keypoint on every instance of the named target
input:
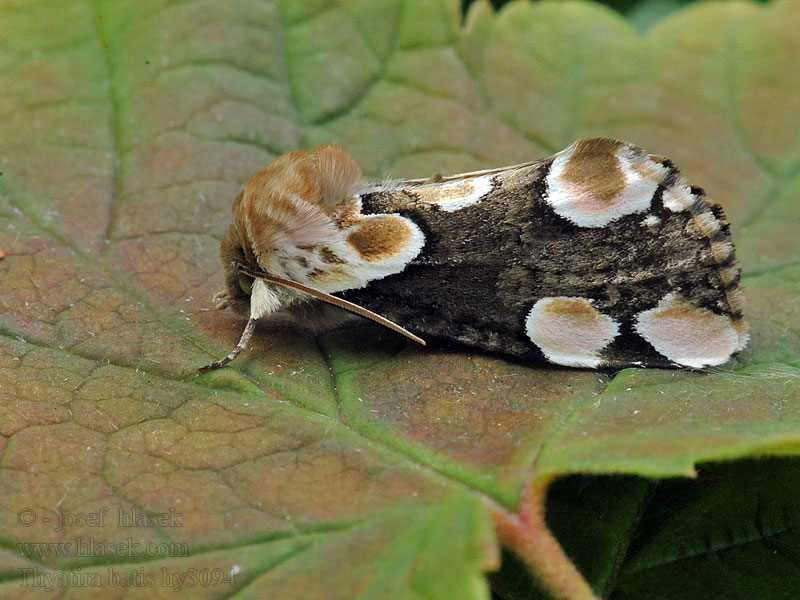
(234, 251)
(294, 204)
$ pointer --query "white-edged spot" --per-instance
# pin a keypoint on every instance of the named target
(721, 250)
(728, 274)
(678, 198)
(651, 221)
(375, 247)
(594, 182)
(688, 334)
(454, 195)
(570, 331)
(706, 223)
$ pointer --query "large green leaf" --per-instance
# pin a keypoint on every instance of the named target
(349, 463)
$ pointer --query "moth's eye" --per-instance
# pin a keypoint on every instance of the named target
(245, 282)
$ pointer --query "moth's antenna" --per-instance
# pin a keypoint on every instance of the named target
(339, 302)
(243, 341)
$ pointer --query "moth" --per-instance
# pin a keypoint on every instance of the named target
(599, 256)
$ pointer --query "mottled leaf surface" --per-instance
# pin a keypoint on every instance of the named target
(350, 464)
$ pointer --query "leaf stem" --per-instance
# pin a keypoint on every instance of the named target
(526, 534)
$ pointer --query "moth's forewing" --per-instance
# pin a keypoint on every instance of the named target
(599, 256)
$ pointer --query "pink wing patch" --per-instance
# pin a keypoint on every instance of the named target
(594, 182)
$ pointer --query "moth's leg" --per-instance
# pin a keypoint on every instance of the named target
(221, 300)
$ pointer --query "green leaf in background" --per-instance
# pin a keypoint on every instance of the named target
(350, 464)
(731, 533)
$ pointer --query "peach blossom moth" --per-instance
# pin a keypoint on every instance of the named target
(599, 256)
